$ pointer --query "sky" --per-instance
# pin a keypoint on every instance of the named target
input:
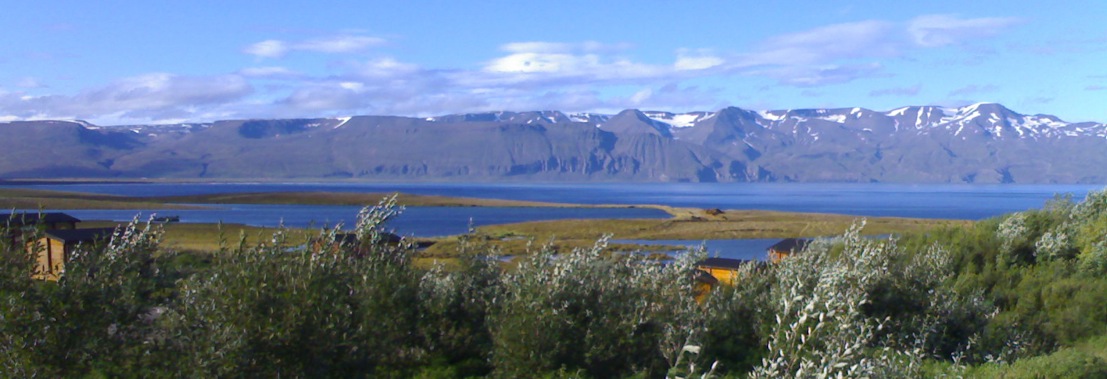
(142, 62)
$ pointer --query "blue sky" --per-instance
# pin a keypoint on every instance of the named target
(116, 62)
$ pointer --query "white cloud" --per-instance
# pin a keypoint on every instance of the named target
(570, 76)
(563, 47)
(943, 30)
(699, 60)
(823, 44)
(267, 49)
(148, 97)
(540, 62)
(562, 60)
(332, 45)
(339, 44)
(537, 47)
(824, 55)
(845, 52)
(641, 96)
(352, 86)
(535, 65)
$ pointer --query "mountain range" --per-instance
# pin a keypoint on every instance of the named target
(980, 143)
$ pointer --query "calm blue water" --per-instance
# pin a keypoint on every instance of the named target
(418, 221)
(754, 249)
(972, 202)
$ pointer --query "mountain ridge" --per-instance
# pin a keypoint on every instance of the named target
(978, 143)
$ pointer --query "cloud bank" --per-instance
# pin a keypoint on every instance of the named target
(571, 76)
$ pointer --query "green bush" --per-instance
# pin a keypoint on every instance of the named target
(278, 310)
(603, 315)
(97, 318)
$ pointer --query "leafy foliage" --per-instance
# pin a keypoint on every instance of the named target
(604, 315)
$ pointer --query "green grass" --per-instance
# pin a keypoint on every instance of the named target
(1084, 360)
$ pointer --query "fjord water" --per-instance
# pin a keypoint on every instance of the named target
(417, 221)
(970, 202)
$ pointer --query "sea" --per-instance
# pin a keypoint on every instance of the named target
(936, 201)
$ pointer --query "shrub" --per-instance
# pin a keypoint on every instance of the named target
(275, 310)
(602, 315)
(737, 319)
(454, 314)
(96, 319)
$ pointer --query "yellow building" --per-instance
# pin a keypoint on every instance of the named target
(723, 270)
(55, 247)
(786, 247)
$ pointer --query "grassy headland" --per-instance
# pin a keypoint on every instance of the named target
(687, 224)
(19, 198)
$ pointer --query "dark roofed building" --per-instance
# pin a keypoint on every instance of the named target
(55, 247)
(51, 220)
(786, 247)
(724, 270)
(17, 223)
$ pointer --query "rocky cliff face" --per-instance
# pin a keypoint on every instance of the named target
(981, 143)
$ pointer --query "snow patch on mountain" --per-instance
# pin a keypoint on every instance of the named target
(341, 121)
(682, 120)
(772, 115)
(898, 112)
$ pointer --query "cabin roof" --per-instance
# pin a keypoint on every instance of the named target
(34, 218)
(790, 244)
(727, 263)
(704, 277)
(80, 235)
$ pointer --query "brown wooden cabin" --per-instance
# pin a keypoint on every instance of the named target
(19, 223)
(711, 272)
(786, 247)
(55, 247)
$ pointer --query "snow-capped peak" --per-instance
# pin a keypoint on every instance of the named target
(679, 120)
